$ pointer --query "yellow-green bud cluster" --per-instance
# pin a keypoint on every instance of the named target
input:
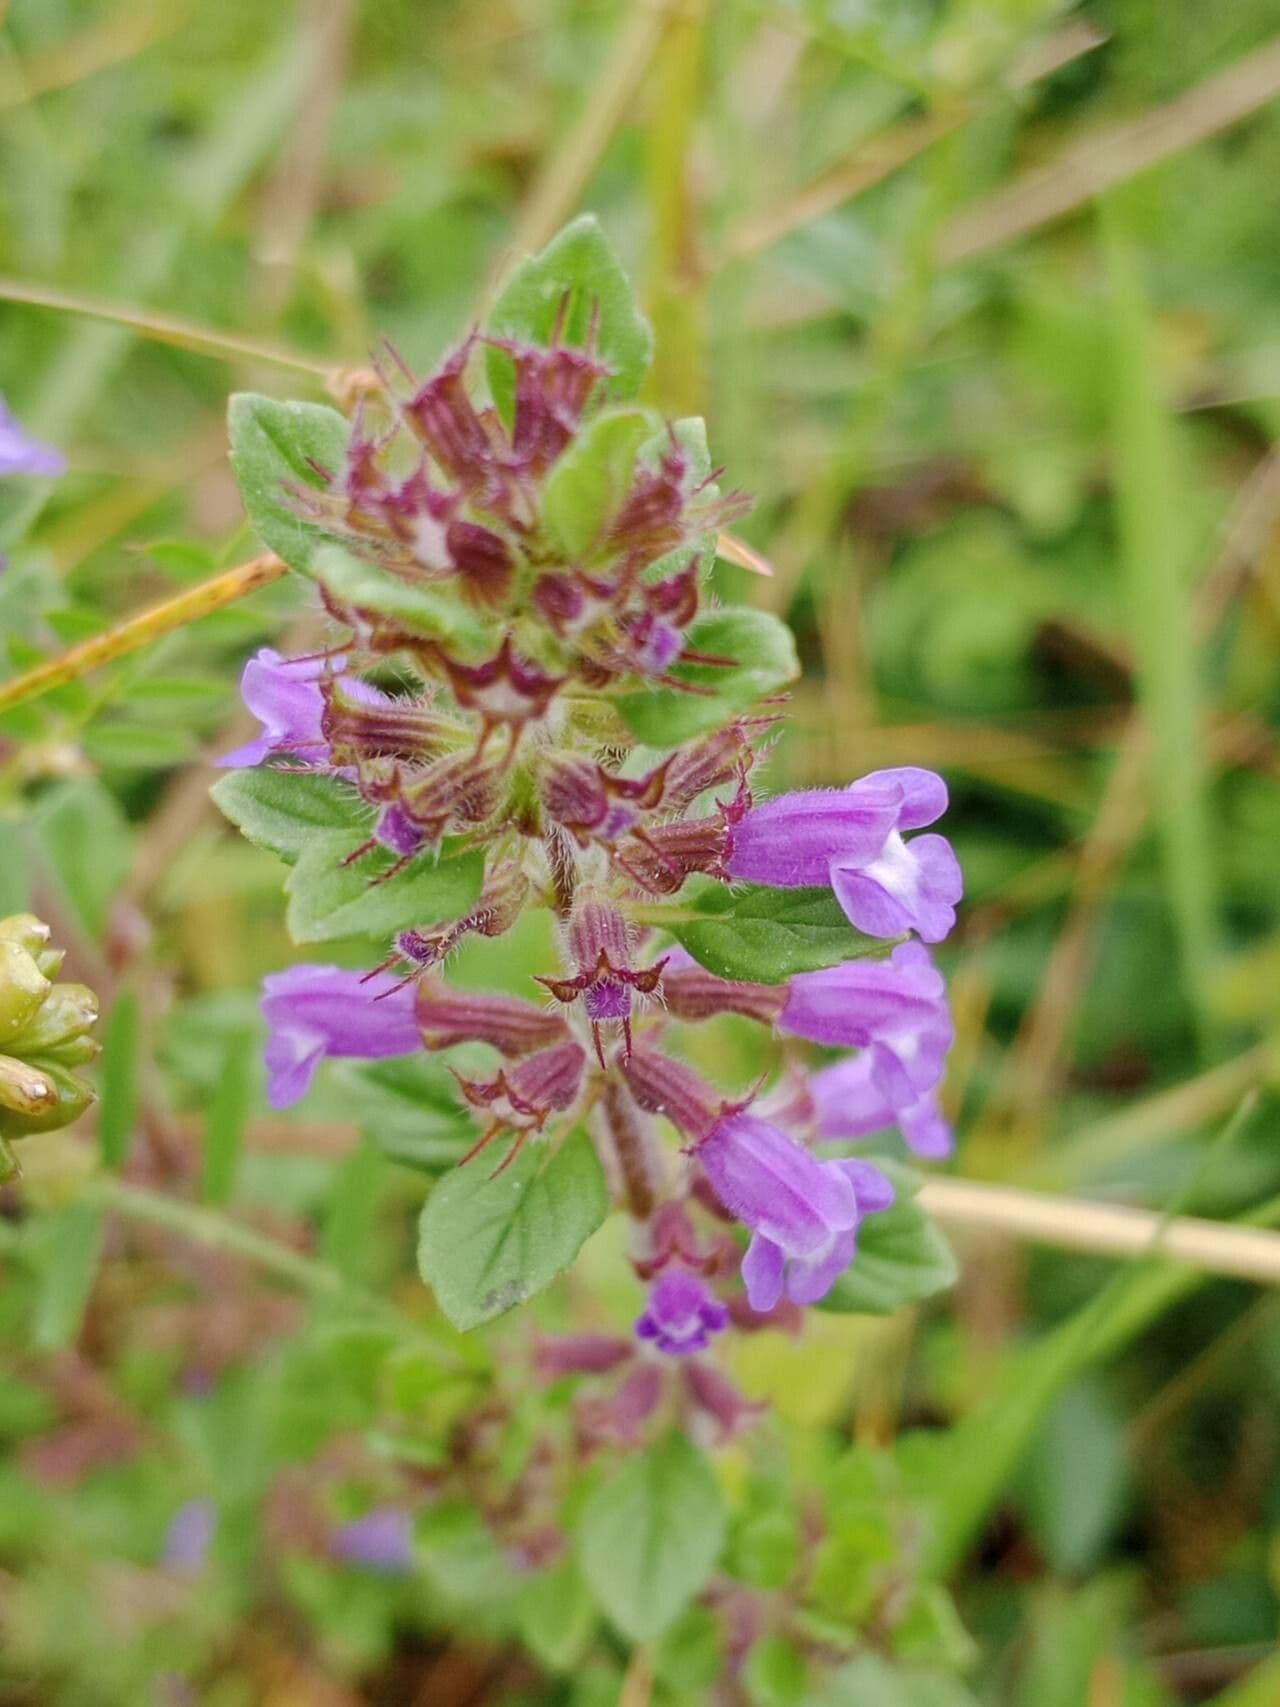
(44, 1036)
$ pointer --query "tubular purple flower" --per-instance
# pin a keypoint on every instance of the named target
(895, 1009)
(315, 1012)
(852, 839)
(682, 1314)
(285, 695)
(21, 454)
(851, 1104)
(381, 1541)
(803, 1213)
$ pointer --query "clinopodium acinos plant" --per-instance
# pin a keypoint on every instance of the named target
(533, 700)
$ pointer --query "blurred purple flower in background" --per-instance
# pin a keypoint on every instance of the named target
(189, 1536)
(682, 1314)
(381, 1540)
(21, 454)
(317, 1012)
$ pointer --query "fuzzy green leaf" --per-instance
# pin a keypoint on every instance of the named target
(588, 484)
(579, 264)
(902, 1257)
(282, 810)
(762, 658)
(328, 900)
(431, 611)
(650, 1536)
(762, 934)
(272, 449)
(490, 1241)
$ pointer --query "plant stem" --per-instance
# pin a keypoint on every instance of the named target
(141, 630)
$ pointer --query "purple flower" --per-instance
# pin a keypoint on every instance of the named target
(317, 1011)
(682, 1314)
(852, 839)
(381, 1540)
(285, 695)
(851, 1104)
(189, 1536)
(803, 1213)
(21, 454)
(895, 1009)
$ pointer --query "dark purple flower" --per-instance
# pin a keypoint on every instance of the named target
(286, 697)
(682, 1314)
(851, 1104)
(381, 1540)
(21, 454)
(317, 1011)
(803, 1213)
(189, 1536)
(852, 839)
(895, 1009)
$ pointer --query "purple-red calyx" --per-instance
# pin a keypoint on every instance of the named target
(851, 839)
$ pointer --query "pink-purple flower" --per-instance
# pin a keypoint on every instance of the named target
(803, 1213)
(21, 454)
(852, 839)
(682, 1314)
(286, 697)
(318, 1012)
(851, 1103)
(894, 1009)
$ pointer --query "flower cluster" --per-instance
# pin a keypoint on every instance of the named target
(44, 1037)
(519, 573)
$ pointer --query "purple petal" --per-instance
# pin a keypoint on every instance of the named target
(926, 1129)
(285, 695)
(873, 1189)
(794, 839)
(190, 1535)
(682, 1314)
(762, 1273)
(317, 1011)
(850, 1102)
(924, 794)
(911, 886)
(812, 1277)
(773, 1185)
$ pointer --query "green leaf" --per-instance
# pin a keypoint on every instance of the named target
(271, 447)
(409, 1106)
(589, 482)
(650, 1536)
(556, 1616)
(433, 612)
(763, 656)
(282, 810)
(872, 1682)
(761, 934)
(902, 1257)
(1076, 1480)
(229, 1109)
(579, 263)
(118, 1080)
(328, 899)
(488, 1242)
(67, 1250)
(85, 838)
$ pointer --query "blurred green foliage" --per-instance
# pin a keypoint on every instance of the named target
(1020, 494)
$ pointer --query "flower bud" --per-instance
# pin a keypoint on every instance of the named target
(23, 986)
